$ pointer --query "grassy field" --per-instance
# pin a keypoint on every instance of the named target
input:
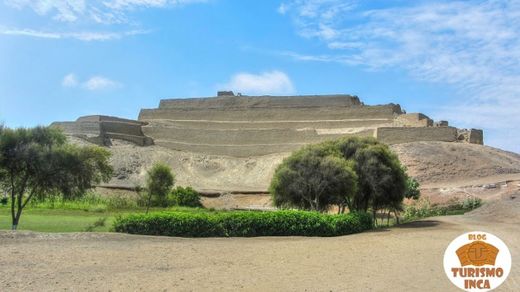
(89, 213)
(55, 220)
(60, 220)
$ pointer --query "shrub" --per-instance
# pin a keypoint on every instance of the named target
(159, 182)
(186, 197)
(412, 189)
(471, 203)
(243, 224)
(423, 208)
(4, 201)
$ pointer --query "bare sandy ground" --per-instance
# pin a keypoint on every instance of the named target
(434, 164)
(408, 258)
(444, 164)
(445, 171)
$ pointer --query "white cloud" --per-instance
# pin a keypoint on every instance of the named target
(94, 83)
(29, 32)
(69, 80)
(473, 46)
(126, 4)
(130, 4)
(65, 10)
(87, 13)
(273, 82)
(100, 11)
(82, 36)
(100, 83)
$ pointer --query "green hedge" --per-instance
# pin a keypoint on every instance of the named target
(243, 223)
(187, 197)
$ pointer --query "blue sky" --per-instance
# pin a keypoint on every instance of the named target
(451, 60)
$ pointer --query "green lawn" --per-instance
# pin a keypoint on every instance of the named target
(56, 220)
(63, 220)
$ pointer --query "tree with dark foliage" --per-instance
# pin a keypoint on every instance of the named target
(308, 180)
(37, 162)
(359, 173)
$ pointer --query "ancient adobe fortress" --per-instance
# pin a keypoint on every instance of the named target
(243, 126)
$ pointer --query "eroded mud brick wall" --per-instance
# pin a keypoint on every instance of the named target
(395, 135)
(100, 129)
(251, 126)
(413, 120)
(476, 136)
(243, 126)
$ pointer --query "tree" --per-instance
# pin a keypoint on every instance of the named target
(159, 182)
(378, 174)
(382, 179)
(308, 180)
(38, 162)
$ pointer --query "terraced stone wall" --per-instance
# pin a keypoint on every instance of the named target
(100, 129)
(243, 126)
(396, 135)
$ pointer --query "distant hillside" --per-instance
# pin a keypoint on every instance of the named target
(434, 164)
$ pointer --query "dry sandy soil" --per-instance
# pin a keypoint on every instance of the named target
(444, 164)
(407, 258)
(445, 171)
(434, 164)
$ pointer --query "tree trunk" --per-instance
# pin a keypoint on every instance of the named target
(13, 202)
(149, 202)
(374, 215)
(312, 203)
(15, 223)
(388, 218)
(16, 218)
(13, 213)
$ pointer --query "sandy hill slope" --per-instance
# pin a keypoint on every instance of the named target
(441, 164)
(434, 164)
(201, 171)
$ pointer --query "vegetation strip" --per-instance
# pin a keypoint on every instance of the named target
(243, 224)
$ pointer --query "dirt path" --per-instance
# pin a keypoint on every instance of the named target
(401, 259)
